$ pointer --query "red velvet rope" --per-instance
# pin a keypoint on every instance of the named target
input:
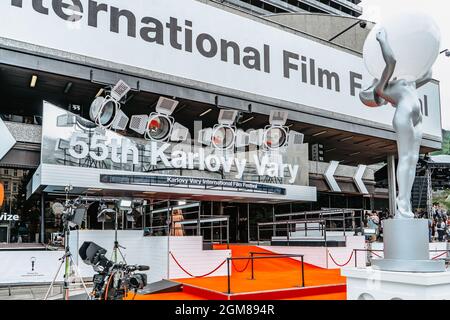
(341, 265)
(439, 255)
(191, 275)
(375, 254)
(245, 268)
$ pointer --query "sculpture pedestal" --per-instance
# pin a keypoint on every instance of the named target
(371, 284)
(406, 247)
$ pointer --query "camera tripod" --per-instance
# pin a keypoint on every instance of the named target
(66, 259)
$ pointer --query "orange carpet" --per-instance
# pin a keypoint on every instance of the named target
(270, 275)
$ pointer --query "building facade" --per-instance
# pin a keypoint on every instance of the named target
(348, 8)
(248, 64)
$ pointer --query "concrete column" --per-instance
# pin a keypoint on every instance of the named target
(392, 183)
(42, 217)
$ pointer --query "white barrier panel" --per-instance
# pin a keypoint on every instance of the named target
(29, 266)
(41, 266)
(153, 251)
(190, 255)
(320, 256)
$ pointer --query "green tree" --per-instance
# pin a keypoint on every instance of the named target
(445, 144)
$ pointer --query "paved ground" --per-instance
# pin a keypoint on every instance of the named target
(39, 292)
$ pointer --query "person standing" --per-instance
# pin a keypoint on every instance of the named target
(430, 228)
(373, 223)
(440, 228)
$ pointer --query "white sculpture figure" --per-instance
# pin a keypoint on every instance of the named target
(402, 95)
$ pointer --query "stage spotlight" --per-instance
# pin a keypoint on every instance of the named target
(132, 215)
(275, 137)
(223, 135)
(125, 204)
(74, 214)
(276, 134)
(105, 111)
(160, 125)
(105, 213)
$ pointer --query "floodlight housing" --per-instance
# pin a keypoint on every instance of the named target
(120, 90)
(295, 138)
(105, 111)
(278, 118)
(105, 213)
(132, 215)
(120, 121)
(228, 117)
(275, 137)
(166, 106)
(179, 133)
(159, 127)
(138, 123)
(75, 214)
(125, 204)
(223, 137)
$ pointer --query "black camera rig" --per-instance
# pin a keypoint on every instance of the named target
(113, 280)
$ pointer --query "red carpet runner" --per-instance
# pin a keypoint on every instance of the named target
(274, 279)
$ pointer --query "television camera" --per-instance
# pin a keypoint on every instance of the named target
(113, 280)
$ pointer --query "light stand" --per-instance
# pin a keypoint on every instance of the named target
(117, 247)
(66, 259)
(112, 213)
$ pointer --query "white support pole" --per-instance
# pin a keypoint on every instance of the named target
(392, 183)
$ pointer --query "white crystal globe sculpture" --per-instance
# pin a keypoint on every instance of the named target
(415, 39)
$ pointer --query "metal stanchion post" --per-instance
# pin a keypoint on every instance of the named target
(287, 232)
(356, 257)
(253, 274)
(303, 272)
(228, 273)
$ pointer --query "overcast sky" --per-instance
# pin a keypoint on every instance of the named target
(439, 10)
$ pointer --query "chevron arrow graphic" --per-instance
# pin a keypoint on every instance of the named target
(357, 178)
(329, 176)
(7, 141)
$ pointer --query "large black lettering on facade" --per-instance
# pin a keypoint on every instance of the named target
(183, 37)
(308, 71)
(324, 74)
